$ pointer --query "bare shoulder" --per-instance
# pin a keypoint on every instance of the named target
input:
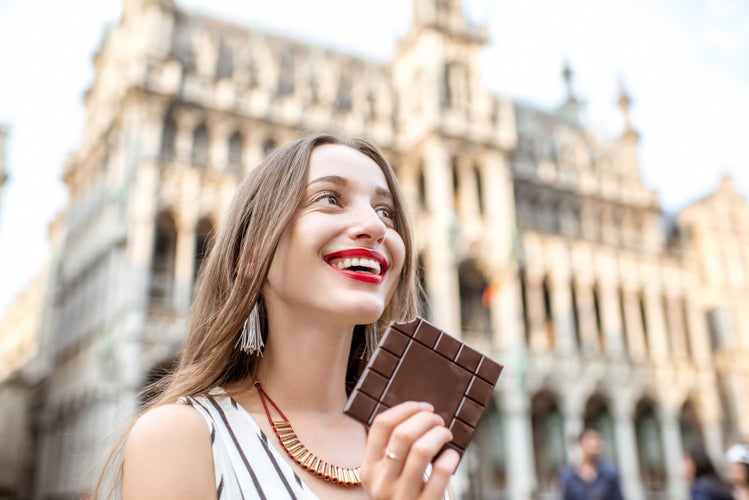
(168, 455)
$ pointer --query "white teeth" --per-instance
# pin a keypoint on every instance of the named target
(371, 264)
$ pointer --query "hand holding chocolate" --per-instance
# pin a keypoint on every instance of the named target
(417, 361)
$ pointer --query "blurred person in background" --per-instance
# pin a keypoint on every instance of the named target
(590, 478)
(705, 484)
(737, 472)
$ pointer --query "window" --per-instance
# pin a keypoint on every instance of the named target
(236, 150)
(200, 146)
(548, 439)
(168, 138)
(474, 314)
(162, 260)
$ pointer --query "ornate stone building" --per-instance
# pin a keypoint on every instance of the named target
(537, 242)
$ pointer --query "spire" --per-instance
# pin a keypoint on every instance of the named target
(625, 103)
(572, 106)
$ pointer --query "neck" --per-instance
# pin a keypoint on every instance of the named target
(303, 367)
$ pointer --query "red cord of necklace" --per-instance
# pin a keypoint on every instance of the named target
(344, 476)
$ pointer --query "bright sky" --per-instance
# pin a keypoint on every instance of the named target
(685, 65)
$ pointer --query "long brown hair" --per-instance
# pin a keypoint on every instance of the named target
(263, 206)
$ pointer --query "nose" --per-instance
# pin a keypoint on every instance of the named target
(367, 225)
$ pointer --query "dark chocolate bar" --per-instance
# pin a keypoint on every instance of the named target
(417, 361)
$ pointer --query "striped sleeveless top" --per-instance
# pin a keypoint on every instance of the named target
(246, 465)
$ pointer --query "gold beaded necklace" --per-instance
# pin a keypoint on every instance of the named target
(344, 476)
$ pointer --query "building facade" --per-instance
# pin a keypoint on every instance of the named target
(537, 242)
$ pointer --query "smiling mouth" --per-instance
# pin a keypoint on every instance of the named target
(359, 264)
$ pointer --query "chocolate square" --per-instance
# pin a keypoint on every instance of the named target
(416, 361)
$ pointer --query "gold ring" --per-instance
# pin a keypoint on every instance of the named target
(392, 456)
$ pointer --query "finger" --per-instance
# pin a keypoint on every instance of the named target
(422, 452)
(383, 425)
(442, 470)
(403, 437)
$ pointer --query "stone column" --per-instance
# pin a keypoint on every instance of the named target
(218, 147)
(534, 299)
(656, 325)
(184, 261)
(672, 448)
(638, 348)
(699, 335)
(677, 333)
(442, 280)
(611, 321)
(587, 315)
(521, 475)
(573, 421)
(561, 307)
(186, 121)
(626, 445)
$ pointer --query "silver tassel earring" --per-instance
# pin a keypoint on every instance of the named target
(251, 339)
(370, 340)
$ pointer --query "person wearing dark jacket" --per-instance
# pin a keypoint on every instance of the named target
(705, 484)
(590, 478)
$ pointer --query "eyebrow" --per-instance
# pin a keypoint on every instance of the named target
(342, 181)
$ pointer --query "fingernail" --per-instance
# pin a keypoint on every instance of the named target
(426, 406)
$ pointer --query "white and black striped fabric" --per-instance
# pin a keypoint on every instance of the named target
(246, 465)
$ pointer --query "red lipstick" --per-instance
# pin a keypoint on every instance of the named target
(359, 253)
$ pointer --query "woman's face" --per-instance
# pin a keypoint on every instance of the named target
(340, 259)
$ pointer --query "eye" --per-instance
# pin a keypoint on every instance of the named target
(385, 211)
(327, 198)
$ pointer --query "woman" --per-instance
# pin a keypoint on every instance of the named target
(705, 484)
(314, 254)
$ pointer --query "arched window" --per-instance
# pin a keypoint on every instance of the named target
(599, 316)
(490, 448)
(548, 313)
(236, 150)
(644, 322)
(225, 62)
(286, 74)
(522, 278)
(455, 172)
(576, 315)
(344, 100)
(479, 187)
(689, 425)
(168, 138)
(474, 314)
(548, 439)
(650, 446)
(597, 415)
(203, 234)
(623, 318)
(162, 260)
(200, 146)
(422, 188)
